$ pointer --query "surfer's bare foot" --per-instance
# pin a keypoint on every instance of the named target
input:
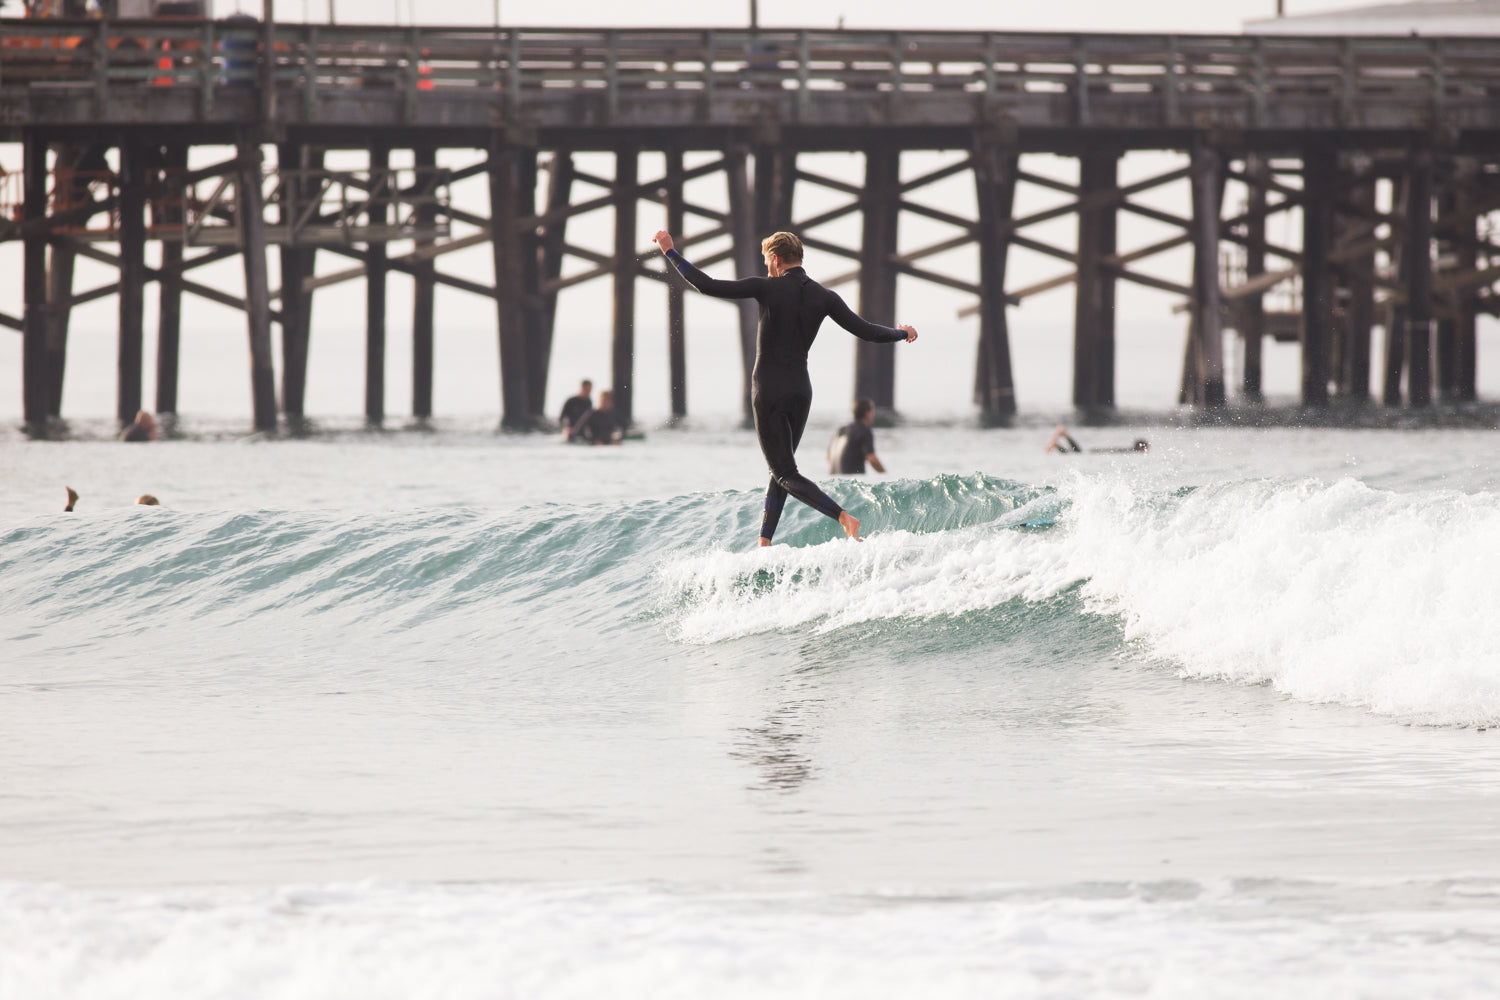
(72, 498)
(765, 542)
(850, 524)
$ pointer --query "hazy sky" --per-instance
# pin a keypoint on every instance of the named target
(1057, 15)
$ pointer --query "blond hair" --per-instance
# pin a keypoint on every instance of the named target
(784, 245)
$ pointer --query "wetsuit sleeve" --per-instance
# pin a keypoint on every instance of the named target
(840, 313)
(744, 288)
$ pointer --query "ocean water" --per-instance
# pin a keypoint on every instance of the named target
(456, 714)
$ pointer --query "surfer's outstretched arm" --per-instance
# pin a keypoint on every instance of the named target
(743, 288)
(840, 313)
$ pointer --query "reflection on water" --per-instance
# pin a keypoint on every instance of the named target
(775, 748)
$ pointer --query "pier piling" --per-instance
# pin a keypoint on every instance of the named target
(992, 98)
(676, 320)
(257, 285)
(622, 351)
(376, 268)
(424, 290)
(167, 213)
(1318, 178)
(995, 190)
(1094, 301)
(875, 364)
(1418, 255)
(133, 180)
(505, 238)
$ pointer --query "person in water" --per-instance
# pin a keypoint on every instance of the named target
(602, 425)
(145, 500)
(143, 429)
(1062, 442)
(792, 307)
(575, 409)
(854, 445)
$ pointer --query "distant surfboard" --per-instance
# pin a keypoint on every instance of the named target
(835, 452)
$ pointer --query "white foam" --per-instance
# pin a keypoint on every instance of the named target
(374, 941)
(1329, 591)
(722, 595)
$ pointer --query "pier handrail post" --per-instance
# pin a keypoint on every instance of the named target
(206, 70)
(101, 69)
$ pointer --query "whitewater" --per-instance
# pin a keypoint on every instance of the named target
(456, 714)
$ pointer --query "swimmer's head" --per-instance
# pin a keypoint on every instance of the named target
(783, 245)
(1141, 445)
(864, 409)
(146, 499)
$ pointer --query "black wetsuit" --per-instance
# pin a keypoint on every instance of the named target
(573, 409)
(792, 307)
(859, 443)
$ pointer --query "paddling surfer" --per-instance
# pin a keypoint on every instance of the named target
(792, 307)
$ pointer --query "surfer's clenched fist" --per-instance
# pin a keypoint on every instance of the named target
(663, 240)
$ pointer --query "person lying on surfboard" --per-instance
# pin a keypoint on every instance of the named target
(792, 307)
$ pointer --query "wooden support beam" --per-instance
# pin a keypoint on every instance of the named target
(132, 281)
(36, 380)
(942, 173)
(169, 283)
(995, 174)
(852, 190)
(1419, 280)
(622, 348)
(424, 293)
(1208, 193)
(1251, 314)
(1319, 177)
(376, 269)
(257, 286)
(505, 181)
(676, 320)
(747, 259)
(1094, 314)
(875, 364)
(550, 251)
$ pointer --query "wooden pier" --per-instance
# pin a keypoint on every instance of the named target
(1388, 147)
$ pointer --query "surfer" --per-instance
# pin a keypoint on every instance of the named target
(792, 307)
(1062, 442)
(854, 444)
(575, 409)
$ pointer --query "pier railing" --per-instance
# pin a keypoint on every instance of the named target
(149, 72)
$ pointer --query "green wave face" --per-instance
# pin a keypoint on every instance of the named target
(1287, 583)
